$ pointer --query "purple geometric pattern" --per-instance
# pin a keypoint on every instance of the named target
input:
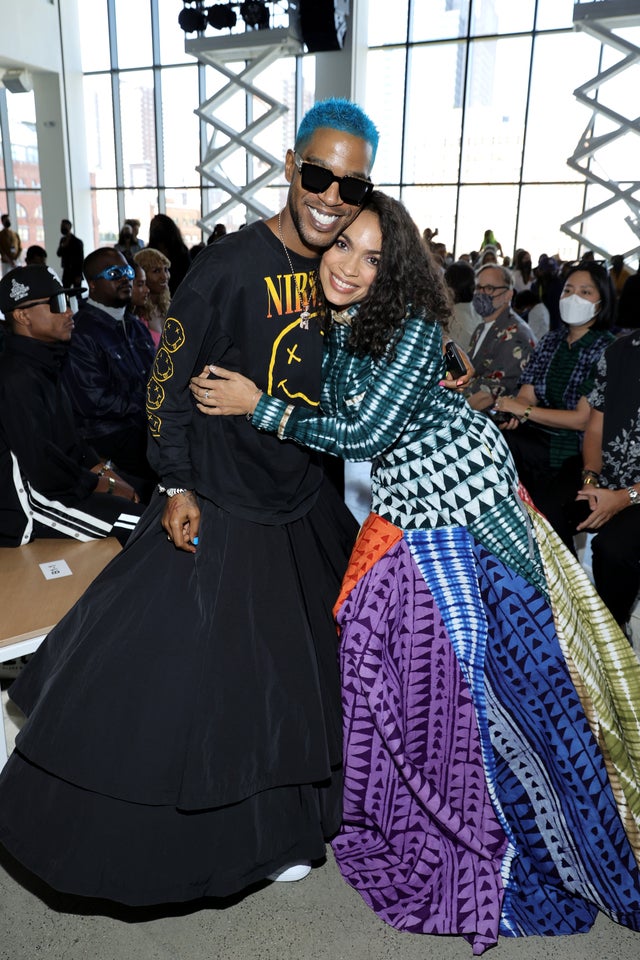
(476, 799)
(420, 840)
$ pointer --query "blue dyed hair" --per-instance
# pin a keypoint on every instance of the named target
(337, 114)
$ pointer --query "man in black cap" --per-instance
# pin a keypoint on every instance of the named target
(52, 484)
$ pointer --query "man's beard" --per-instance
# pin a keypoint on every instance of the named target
(327, 240)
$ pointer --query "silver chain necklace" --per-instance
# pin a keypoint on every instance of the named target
(305, 316)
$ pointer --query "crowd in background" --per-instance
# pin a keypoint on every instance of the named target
(535, 372)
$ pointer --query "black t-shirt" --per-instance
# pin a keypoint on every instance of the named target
(239, 307)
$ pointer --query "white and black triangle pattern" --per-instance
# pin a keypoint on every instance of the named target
(451, 476)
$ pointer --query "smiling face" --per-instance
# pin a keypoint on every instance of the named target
(157, 278)
(349, 267)
(318, 218)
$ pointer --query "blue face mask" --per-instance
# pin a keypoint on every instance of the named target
(483, 304)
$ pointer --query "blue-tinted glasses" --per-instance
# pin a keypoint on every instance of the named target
(116, 273)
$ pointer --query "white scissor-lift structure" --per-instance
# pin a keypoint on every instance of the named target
(255, 50)
(599, 19)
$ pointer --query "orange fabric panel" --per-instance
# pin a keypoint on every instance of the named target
(376, 537)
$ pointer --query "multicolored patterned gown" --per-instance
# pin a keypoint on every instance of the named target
(491, 704)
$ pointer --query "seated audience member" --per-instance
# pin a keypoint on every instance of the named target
(528, 306)
(550, 411)
(628, 312)
(165, 236)
(611, 476)
(138, 303)
(157, 270)
(126, 244)
(523, 277)
(52, 483)
(108, 365)
(501, 343)
(549, 284)
(36, 256)
(619, 273)
(132, 222)
(487, 256)
(460, 279)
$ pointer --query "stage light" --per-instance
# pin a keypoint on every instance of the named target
(193, 19)
(255, 14)
(221, 16)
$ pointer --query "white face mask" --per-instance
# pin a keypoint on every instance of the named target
(576, 311)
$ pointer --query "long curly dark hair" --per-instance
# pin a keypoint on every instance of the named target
(407, 281)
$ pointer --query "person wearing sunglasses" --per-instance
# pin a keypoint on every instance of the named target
(52, 483)
(108, 366)
(213, 629)
(469, 756)
(501, 344)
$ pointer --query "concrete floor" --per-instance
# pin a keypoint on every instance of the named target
(319, 918)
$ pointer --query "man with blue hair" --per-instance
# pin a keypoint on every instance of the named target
(222, 765)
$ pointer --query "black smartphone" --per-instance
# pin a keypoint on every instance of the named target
(454, 360)
(500, 416)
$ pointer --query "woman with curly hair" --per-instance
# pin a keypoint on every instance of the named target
(483, 793)
(157, 269)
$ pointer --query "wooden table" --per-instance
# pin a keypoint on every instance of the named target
(31, 604)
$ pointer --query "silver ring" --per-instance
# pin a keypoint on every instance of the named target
(206, 394)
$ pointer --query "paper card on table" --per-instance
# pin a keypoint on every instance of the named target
(55, 568)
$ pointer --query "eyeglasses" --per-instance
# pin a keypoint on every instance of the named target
(116, 273)
(58, 303)
(316, 179)
(489, 288)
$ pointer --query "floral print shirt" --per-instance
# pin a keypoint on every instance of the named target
(616, 395)
(501, 356)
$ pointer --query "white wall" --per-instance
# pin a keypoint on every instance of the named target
(41, 36)
(28, 37)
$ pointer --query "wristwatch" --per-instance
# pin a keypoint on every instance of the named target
(172, 491)
(634, 496)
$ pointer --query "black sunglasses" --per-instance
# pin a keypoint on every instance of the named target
(58, 303)
(316, 179)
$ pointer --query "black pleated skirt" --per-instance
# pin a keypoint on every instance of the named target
(184, 731)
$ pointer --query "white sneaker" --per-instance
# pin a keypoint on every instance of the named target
(291, 872)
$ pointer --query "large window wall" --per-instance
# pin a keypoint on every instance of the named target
(20, 194)
(473, 98)
(144, 140)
